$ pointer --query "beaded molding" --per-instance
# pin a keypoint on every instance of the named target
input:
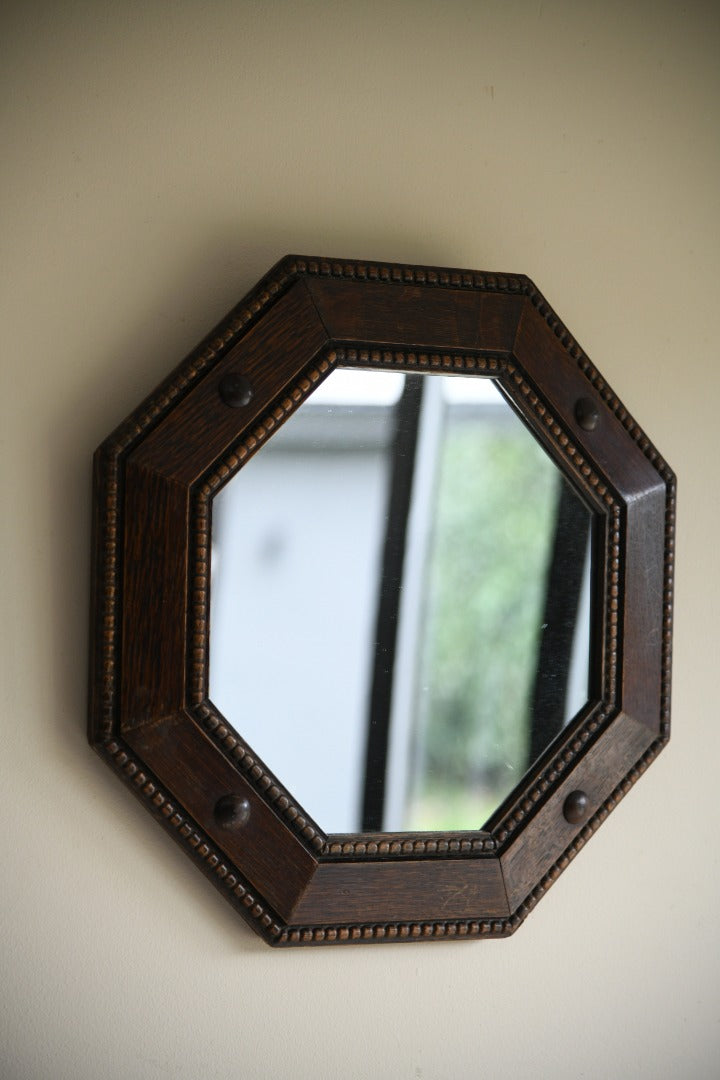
(472, 928)
(591, 826)
(124, 439)
(400, 274)
(213, 862)
(225, 876)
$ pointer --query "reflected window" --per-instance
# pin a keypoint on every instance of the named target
(400, 603)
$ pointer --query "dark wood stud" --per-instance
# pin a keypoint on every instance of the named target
(586, 414)
(232, 811)
(575, 807)
(235, 390)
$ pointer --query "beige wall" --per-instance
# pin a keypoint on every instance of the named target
(156, 159)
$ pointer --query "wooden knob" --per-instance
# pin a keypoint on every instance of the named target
(231, 811)
(575, 807)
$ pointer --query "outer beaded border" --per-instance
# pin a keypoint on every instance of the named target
(472, 928)
(211, 860)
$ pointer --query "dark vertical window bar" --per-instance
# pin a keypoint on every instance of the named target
(403, 454)
(562, 597)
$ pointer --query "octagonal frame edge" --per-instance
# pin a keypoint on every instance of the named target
(107, 574)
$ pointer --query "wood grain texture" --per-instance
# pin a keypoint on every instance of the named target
(403, 315)
(183, 759)
(547, 364)
(202, 426)
(546, 835)
(643, 610)
(187, 834)
(154, 481)
(451, 889)
(155, 556)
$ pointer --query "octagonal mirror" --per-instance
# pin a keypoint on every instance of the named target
(409, 530)
(382, 600)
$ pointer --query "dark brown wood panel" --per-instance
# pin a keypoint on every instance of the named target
(154, 598)
(641, 686)
(430, 318)
(562, 383)
(202, 426)
(271, 857)
(540, 844)
(397, 891)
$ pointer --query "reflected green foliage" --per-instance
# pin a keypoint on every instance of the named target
(496, 503)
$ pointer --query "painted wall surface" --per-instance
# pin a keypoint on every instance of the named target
(156, 159)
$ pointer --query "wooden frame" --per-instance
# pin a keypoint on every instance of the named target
(150, 717)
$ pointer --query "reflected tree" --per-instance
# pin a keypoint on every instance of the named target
(496, 504)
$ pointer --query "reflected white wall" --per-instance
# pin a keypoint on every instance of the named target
(297, 540)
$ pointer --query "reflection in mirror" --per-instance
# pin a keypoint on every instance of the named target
(400, 602)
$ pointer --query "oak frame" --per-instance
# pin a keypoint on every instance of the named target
(150, 717)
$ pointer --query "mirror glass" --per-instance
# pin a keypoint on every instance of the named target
(400, 602)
